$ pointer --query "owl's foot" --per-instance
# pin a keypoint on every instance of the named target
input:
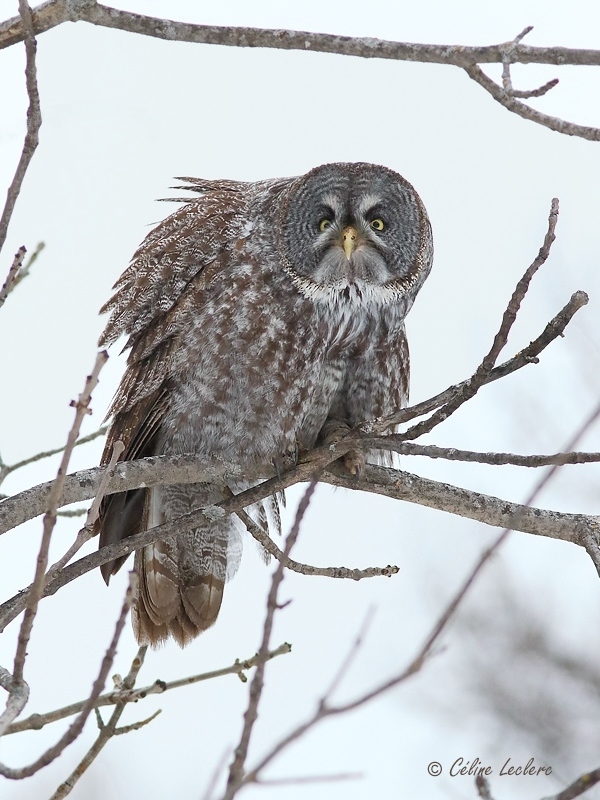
(332, 432)
(355, 462)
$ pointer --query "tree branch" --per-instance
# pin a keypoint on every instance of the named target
(578, 787)
(34, 119)
(76, 726)
(236, 770)
(36, 722)
(106, 731)
(55, 12)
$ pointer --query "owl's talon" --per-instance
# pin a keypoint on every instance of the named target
(355, 462)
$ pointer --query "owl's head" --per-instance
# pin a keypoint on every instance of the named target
(355, 229)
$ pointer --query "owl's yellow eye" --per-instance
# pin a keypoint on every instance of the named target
(324, 224)
(378, 224)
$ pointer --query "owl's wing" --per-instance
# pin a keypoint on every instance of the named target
(188, 246)
(172, 254)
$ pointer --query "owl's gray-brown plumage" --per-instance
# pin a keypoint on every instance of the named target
(261, 316)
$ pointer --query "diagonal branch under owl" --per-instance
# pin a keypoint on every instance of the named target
(263, 318)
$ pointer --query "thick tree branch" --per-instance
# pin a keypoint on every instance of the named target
(55, 12)
(388, 482)
(84, 485)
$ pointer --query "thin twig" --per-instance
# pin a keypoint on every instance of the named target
(106, 731)
(6, 469)
(13, 274)
(76, 726)
(34, 120)
(528, 355)
(483, 788)
(86, 533)
(397, 444)
(483, 371)
(236, 770)
(510, 102)
(37, 588)
(24, 272)
(37, 721)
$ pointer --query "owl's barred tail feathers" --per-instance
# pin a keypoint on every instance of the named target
(173, 601)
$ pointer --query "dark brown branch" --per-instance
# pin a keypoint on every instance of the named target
(34, 120)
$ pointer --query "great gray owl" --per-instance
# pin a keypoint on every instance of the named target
(261, 317)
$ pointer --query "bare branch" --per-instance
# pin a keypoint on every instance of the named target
(510, 102)
(236, 770)
(34, 120)
(392, 483)
(578, 787)
(6, 469)
(55, 12)
(106, 731)
(77, 725)
(36, 591)
(325, 709)
(529, 355)
(396, 444)
(38, 721)
(470, 388)
(483, 788)
(83, 485)
(13, 274)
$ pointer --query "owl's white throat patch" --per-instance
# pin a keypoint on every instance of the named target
(353, 292)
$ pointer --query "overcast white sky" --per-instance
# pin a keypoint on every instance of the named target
(122, 115)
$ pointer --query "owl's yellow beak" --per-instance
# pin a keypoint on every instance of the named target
(349, 235)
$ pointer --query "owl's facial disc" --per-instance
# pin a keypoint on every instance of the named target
(356, 226)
